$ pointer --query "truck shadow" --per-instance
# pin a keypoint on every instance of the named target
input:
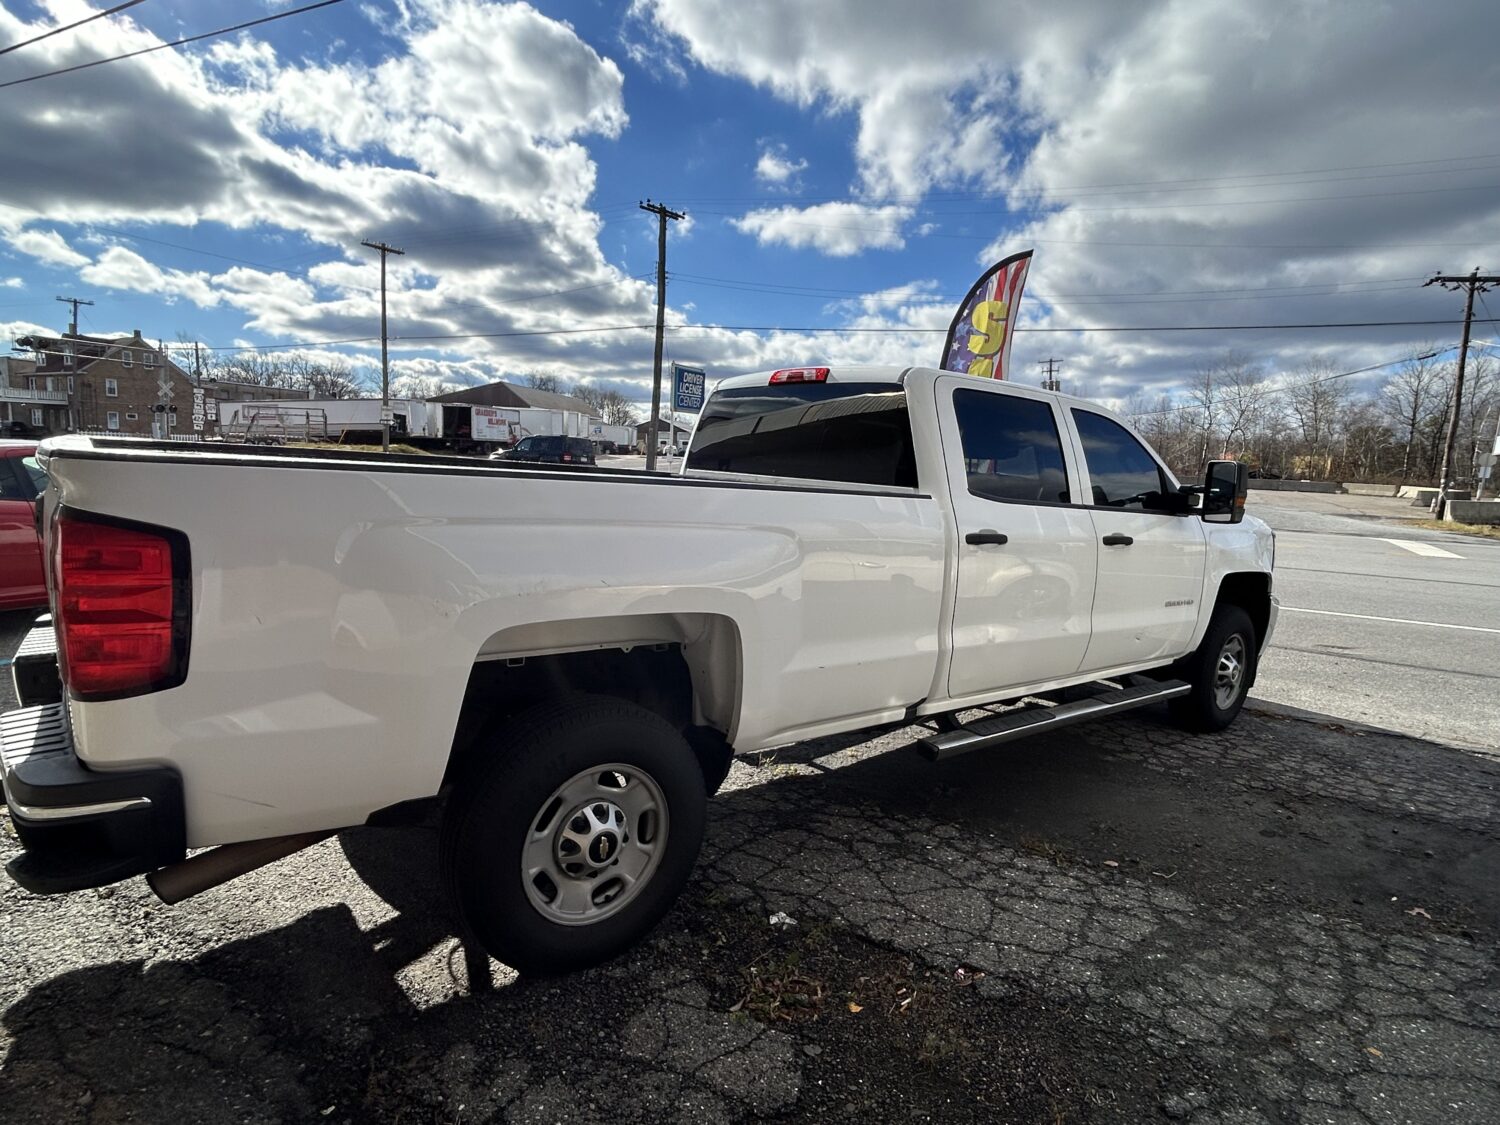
(325, 1012)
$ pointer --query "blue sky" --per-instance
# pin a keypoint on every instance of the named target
(846, 166)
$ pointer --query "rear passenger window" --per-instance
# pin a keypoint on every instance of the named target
(1121, 473)
(1011, 447)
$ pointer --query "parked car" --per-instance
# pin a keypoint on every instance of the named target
(21, 479)
(568, 661)
(550, 449)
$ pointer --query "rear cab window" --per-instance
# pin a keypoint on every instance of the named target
(852, 433)
(1012, 450)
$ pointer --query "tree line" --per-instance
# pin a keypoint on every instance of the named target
(1311, 423)
(609, 406)
(325, 376)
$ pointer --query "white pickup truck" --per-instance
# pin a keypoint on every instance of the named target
(251, 648)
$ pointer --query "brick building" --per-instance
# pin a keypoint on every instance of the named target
(113, 385)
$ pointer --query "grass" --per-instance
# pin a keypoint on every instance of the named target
(1482, 530)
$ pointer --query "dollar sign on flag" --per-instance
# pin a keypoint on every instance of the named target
(989, 320)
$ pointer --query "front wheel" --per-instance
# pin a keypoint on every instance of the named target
(575, 835)
(1219, 672)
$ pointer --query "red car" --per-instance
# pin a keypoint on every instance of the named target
(21, 479)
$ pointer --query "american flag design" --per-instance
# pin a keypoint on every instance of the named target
(979, 338)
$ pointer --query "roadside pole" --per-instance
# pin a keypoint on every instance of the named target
(385, 359)
(662, 214)
(1472, 283)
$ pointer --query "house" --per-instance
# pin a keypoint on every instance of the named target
(29, 407)
(115, 385)
(508, 394)
(665, 431)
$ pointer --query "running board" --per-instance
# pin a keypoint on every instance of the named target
(1021, 724)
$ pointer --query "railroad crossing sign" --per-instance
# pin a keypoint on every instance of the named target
(164, 387)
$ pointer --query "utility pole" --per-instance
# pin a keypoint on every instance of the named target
(75, 302)
(1050, 381)
(662, 214)
(1472, 284)
(385, 359)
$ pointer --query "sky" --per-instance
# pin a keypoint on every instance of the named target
(847, 169)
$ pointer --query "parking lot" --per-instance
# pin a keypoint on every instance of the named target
(1291, 921)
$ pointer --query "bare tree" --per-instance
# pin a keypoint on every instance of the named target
(1317, 395)
(541, 381)
(325, 376)
(1406, 399)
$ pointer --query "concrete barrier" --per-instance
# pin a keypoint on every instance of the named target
(1425, 496)
(1474, 511)
(1297, 485)
(1370, 489)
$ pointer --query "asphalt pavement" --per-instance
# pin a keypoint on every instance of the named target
(1381, 622)
(1295, 920)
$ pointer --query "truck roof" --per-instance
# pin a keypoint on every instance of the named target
(872, 373)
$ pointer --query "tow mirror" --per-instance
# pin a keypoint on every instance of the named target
(1224, 489)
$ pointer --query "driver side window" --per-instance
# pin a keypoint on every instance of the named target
(1121, 473)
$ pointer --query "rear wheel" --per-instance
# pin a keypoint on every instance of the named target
(1219, 671)
(576, 835)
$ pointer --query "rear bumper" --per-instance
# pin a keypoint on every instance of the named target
(79, 827)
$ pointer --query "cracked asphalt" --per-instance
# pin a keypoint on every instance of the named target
(1291, 921)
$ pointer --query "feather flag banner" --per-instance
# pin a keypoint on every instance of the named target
(979, 338)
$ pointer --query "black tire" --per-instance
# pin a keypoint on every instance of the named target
(501, 795)
(1202, 709)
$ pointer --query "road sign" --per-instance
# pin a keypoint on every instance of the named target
(164, 387)
(199, 413)
(687, 388)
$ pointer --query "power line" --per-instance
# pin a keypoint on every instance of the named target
(69, 26)
(850, 331)
(174, 43)
(728, 281)
(1299, 386)
(1204, 180)
(1168, 298)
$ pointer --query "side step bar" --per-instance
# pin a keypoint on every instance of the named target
(1020, 724)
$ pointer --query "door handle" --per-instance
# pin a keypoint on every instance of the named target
(1115, 539)
(988, 535)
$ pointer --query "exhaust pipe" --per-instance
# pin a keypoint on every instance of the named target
(228, 861)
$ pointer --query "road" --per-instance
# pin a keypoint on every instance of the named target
(1394, 626)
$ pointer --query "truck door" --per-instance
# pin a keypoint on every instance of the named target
(1026, 554)
(1151, 561)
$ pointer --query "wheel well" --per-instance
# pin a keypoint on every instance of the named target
(1252, 593)
(655, 676)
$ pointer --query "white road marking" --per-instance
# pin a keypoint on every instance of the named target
(1392, 620)
(1417, 547)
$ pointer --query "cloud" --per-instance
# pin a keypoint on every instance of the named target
(46, 246)
(1173, 164)
(777, 168)
(463, 147)
(836, 229)
(12, 283)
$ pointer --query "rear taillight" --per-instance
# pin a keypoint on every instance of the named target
(122, 606)
(800, 375)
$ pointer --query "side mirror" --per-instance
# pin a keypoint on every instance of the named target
(1224, 488)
